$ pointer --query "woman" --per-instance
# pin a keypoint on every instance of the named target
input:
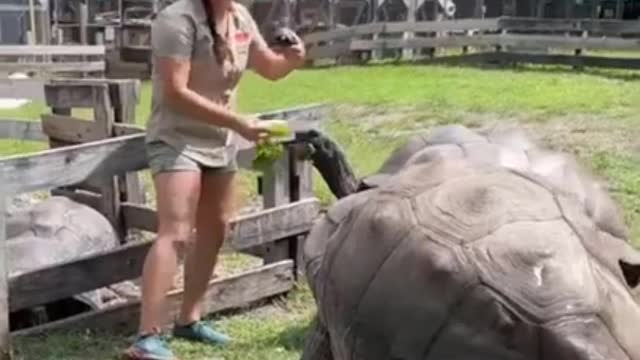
(200, 50)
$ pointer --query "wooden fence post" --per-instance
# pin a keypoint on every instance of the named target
(276, 192)
(289, 180)
(113, 103)
(408, 54)
(301, 185)
(104, 116)
(578, 52)
(5, 339)
(125, 95)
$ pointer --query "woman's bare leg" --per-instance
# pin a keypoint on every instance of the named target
(215, 209)
(177, 202)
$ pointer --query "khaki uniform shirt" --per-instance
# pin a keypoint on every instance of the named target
(181, 31)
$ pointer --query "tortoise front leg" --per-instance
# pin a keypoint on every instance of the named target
(318, 345)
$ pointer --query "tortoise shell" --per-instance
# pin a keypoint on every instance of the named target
(471, 256)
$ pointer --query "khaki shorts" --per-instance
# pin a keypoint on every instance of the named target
(164, 158)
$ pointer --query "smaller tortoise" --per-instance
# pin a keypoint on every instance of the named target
(470, 245)
(54, 231)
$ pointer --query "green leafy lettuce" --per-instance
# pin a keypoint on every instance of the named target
(269, 152)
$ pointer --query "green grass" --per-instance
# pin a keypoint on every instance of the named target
(523, 90)
(379, 108)
(275, 332)
(623, 171)
(451, 89)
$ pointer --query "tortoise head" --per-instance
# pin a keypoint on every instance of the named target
(331, 162)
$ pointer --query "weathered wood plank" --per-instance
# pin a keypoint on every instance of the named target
(21, 130)
(311, 113)
(120, 129)
(74, 130)
(301, 188)
(71, 66)
(248, 231)
(222, 294)
(70, 129)
(426, 42)
(595, 26)
(71, 95)
(284, 221)
(458, 25)
(104, 116)
(74, 277)
(125, 97)
(276, 191)
(510, 40)
(302, 175)
(73, 164)
(32, 89)
(330, 35)
(90, 272)
(28, 50)
(571, 43)
(126, 129)
(5, 341)
(398, 27)
(330, 51)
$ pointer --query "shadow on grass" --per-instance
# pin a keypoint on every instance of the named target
(70, 346)
(294, 337)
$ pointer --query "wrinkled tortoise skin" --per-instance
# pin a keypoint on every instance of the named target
(474, 245)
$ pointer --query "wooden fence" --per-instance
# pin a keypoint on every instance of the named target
(505, 39)
(54, 60)
(96, 162)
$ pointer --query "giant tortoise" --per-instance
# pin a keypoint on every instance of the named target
(50, 232)
(470, 245)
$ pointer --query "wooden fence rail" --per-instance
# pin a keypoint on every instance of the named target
(502, 39)
(83, 158)
(525, 41)
(53, 60)
(593, 26)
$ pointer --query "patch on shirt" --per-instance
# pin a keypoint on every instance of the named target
(242, 37)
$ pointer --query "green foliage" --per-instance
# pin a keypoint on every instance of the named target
(268, 152)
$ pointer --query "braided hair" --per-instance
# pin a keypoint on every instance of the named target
(220, 46)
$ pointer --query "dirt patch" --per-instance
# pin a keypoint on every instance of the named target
(576, 133)
(583, 133)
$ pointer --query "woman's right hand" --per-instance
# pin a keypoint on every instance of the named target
(252, 130)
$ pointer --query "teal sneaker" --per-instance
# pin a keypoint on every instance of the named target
(150, 347)
(201, 332)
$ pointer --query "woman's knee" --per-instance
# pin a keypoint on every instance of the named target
(178, 237)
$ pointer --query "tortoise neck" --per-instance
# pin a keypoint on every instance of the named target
(332, 164)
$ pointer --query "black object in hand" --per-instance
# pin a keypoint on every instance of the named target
(285, 37)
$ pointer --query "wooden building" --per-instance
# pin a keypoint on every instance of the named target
(15, 22)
